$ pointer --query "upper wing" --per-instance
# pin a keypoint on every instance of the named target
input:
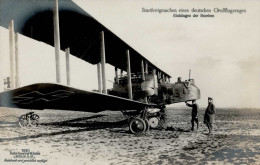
(55, 96)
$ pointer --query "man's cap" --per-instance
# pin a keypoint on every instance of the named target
(210, 98)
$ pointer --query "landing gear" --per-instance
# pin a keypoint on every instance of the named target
(147, 125)
(137, 125)
(154, 117)
(23, 122)
(154, 122)
(29, 119)
(138, 122)
(142, 121)
(34, 120)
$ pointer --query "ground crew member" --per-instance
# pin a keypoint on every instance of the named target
(194, 114)
(209, 115)
(163, 118)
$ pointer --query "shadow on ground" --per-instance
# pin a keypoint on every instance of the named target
(81, 123)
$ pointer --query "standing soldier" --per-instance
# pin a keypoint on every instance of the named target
(209, 115)
(194, 114)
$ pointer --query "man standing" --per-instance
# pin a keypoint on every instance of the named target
(194, 114)
(209, 115)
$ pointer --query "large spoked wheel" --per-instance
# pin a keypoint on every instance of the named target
(154, 122)
(23, 121)
(137, 125)
(34, 120)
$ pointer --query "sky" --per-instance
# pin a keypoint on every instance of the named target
(223, 52)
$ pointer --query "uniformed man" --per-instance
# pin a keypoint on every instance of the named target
(194, 114)
(163, 123)
(163, 118)
(209, 115)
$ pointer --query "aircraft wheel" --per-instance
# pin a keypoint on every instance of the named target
(34, 120)
(154, 122)
(147, 124)
(23, 121)
(137, 125)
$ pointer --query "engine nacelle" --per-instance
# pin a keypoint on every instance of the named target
(180, 91)
(157, 93)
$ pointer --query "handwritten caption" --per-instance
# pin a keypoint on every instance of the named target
(25, 156)
(194, 13)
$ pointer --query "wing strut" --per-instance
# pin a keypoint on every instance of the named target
(67, 53)
(57, 39)
(129, 77)
(99, 78)
(12, 51)
(142, 70)
(103, 62)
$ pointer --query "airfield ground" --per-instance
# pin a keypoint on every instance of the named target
(66, 137)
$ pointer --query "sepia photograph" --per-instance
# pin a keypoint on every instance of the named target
(110, 82)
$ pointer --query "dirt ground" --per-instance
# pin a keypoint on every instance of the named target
(66, 137)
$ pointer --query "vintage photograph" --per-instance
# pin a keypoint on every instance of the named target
(111, 82)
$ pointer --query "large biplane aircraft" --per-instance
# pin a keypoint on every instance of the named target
(144, 88)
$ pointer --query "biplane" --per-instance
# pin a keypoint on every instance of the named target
(144, 88)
